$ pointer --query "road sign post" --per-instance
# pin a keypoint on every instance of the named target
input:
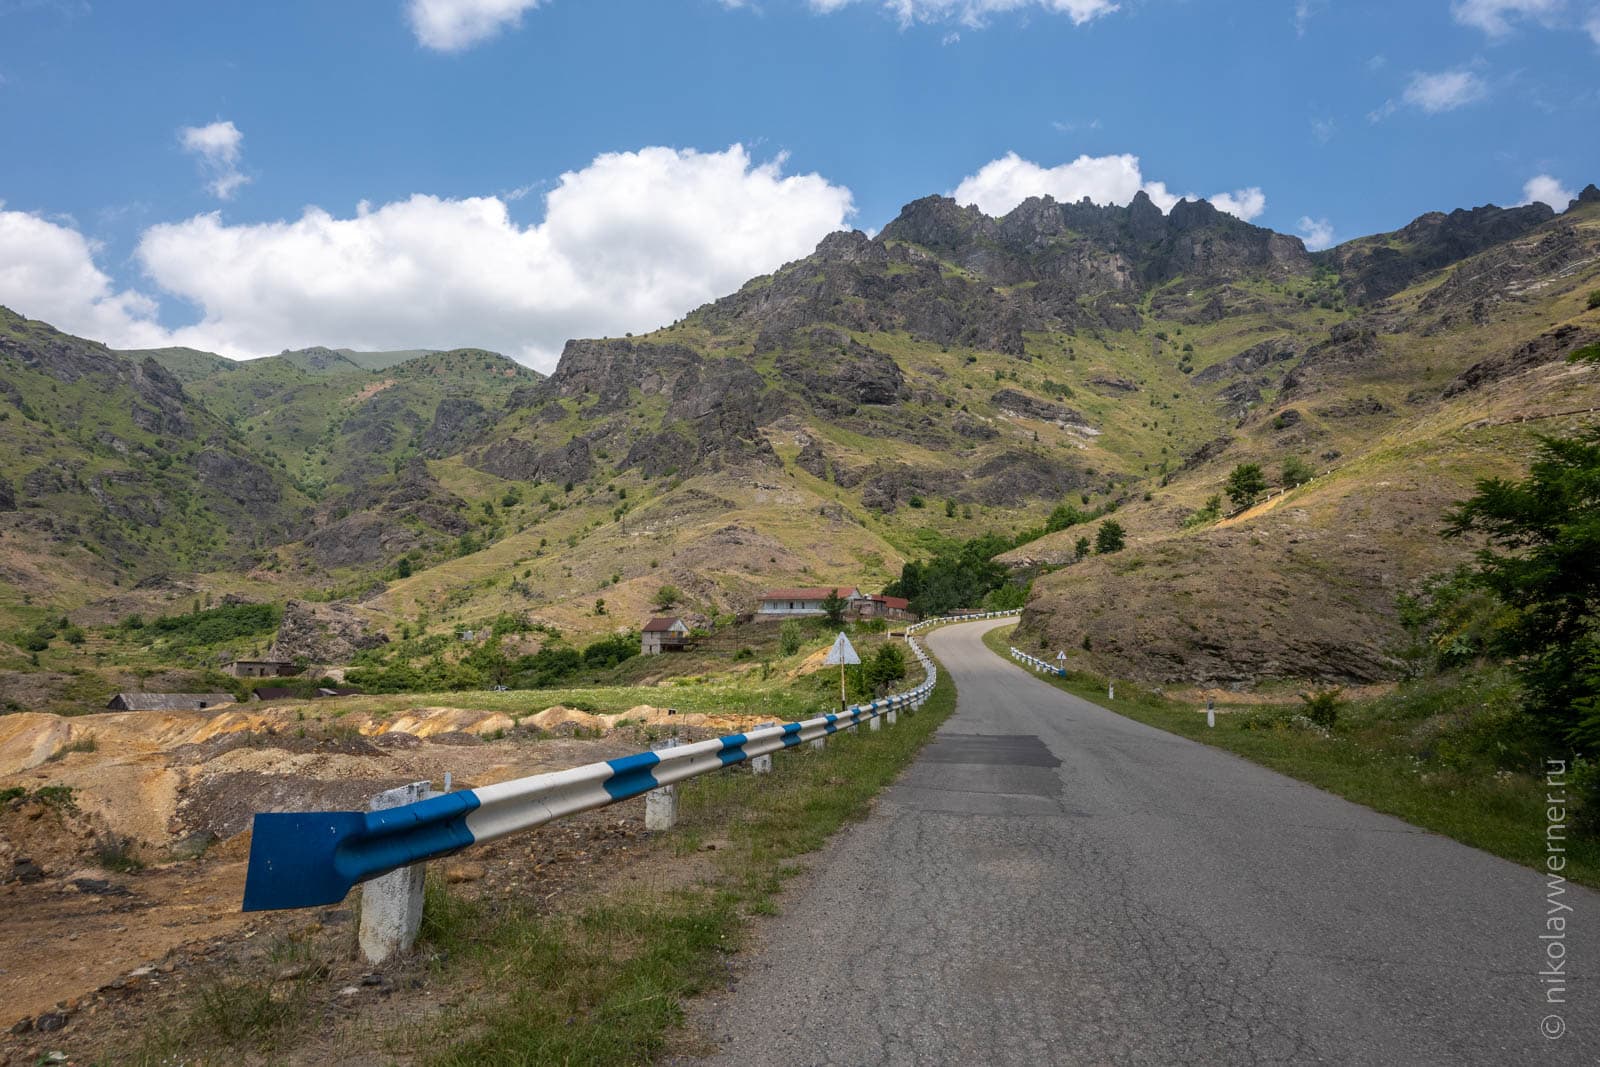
(842, 653)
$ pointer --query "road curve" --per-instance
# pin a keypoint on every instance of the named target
(1051, 883)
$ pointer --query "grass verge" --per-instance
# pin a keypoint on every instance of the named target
(1415, 754)
(604, 982)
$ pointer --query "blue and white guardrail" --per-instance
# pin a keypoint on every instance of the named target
(312, 859)
(1037, 664)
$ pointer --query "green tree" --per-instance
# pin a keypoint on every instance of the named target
(833, 606)
(600, 606)
(1245, 483)
(667, 596)
(1109, 538)
(402, 569)
(1297, 471)
(1594, 299)
(1543, 561)
(1081, 549)
(1064, 516)
(790, 637)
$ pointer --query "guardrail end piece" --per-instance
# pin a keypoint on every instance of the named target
(292, 859)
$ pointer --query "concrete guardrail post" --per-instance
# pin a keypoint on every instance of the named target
(762, 764)
(391, 906)
(661, 803)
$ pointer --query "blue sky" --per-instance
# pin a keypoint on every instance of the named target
(245, 177)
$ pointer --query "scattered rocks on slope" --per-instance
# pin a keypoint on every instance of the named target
(322, 633)
(1546, 348)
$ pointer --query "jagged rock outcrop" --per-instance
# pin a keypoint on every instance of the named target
(8, 496)
(324, 634)
(1256, 357)
(724, 437)
(523, 461)
(366, 537)
(239, 479)
(1020, 405)
(1024, 475)
(812, 459)
(1546, 348)
(838, 374)
(605, 372)
(456, 420)
(1373, 268)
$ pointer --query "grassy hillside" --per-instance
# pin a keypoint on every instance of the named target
(870, 404)
(1447, 382)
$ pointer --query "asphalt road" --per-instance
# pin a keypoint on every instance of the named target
(1051, 883)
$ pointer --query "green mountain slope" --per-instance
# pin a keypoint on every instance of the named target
(955, 375)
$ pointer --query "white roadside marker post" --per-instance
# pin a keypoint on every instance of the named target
(762, 764)
(391, 906)
(1111, 691)
(661, 803)
(1211, 713)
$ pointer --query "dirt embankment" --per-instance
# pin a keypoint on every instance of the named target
(127, 844)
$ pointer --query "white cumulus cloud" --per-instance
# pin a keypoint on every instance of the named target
(1316, 233)
(1591, 26)
(1495, 17)
(1544, 189)
(976, 12)
(454, 25)
(1444, 91)
(628, 243)
(1003, 183)
(48, 271)
(218, 147)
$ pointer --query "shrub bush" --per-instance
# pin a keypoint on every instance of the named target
(1322, 706)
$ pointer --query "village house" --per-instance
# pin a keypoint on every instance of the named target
(261, 668)
(663, 635)
(168, 701)
(878, 606)
(784, 603)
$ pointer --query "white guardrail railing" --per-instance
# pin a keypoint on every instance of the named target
(1037, 664)
(974, 617)
(312, 859)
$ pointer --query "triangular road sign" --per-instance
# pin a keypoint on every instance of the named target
(842, 652)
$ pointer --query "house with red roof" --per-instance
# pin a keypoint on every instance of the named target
(786, 603)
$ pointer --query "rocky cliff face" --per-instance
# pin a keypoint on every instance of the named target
(1373, 268)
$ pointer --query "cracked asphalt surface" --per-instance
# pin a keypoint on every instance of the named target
(1051, 883)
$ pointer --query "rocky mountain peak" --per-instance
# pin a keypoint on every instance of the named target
(938, 223)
